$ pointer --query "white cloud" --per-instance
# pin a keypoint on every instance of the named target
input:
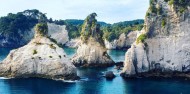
(107, 10)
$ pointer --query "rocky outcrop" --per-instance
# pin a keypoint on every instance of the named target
(124, 41)
(39, 58)
(165, 50)
(92, 51)
(56, 32)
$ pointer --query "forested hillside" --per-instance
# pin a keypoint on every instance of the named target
(15, 27)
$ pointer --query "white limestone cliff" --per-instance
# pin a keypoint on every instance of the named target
(167, 47)
(58, 33)
(39, 58)
(91, 52)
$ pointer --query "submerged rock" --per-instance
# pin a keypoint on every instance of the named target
(39, 58)
(92, 52)
(163, 47)
(109, 75)
(119, 65)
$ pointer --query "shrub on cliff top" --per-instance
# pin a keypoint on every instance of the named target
(88, 26)
(42, 29)
(91, 29)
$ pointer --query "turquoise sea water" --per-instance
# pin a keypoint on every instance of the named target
(92, 82)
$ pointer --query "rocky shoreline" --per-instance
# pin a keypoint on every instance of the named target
(159, 75)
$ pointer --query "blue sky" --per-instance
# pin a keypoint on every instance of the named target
(109, 11)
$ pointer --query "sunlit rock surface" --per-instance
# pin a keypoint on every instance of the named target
(166, 50)
(39, 58)
(124, 41)
(92, 52)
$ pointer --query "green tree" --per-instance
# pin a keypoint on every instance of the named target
(42, 29)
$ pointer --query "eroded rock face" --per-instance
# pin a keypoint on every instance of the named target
(124, 41)
(91, 52)
(39, 58)
(58, 33)
(166, 50)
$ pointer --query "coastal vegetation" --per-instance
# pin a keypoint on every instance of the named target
(92, 45)
(163, 22)
(113, 31)
(179, 5)
(153, 10)
(110, 31)
(35, 52)
(14, 26)
(88, 28)
(141, 38)
(42, 29)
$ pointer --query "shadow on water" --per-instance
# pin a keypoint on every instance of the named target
(36, 86)
(156, 86)
(95, 84)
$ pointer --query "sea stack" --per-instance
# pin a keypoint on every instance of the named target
(163, 47)
(92, 52)
(39, 58)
